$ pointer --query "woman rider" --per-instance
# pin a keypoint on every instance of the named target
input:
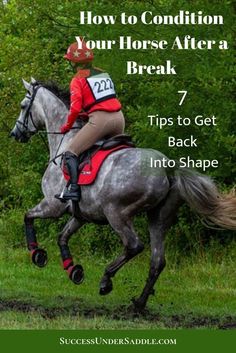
(92, 91)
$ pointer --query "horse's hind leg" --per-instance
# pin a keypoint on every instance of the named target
(45, 209)
(133, 246)
(75, 272)
(160, 220)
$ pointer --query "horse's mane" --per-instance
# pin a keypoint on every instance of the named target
(61, 93)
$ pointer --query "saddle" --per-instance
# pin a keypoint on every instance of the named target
(104, 145)
(91, 160)
(114, 141)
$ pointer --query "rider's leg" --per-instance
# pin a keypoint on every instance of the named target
(100, 124)
(71, 162)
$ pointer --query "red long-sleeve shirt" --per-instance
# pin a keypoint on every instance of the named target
(83, 96)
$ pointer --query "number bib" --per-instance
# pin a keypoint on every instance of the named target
(101, 86)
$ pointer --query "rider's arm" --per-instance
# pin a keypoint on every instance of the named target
(75, 102)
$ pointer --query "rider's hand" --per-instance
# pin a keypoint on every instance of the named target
(65, 128)
(83, 116)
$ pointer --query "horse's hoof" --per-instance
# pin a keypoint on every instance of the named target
(39, 257)
(76, 274)
(137, 306)
(106, 288)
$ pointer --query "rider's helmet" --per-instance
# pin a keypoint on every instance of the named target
(76, 55)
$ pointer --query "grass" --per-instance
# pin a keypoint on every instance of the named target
(197, 292)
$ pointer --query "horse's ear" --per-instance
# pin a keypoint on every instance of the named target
(33, 81)
(26, 85)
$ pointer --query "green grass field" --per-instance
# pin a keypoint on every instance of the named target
(199, 291)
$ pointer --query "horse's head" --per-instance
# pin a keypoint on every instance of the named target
(27, 123)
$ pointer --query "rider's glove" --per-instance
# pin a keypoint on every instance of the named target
(83, 116)
(65, 128)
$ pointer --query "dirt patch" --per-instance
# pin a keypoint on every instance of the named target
(120, 313)
(228, 325)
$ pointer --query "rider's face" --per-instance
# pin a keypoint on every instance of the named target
(77, 66)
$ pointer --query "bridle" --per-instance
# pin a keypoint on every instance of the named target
(28, 114)
(29, 117)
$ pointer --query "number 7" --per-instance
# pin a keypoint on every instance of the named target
(183, 98)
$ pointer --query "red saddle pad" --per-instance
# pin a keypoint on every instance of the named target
(90, 170)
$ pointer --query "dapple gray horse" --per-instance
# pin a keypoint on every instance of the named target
(125, 186)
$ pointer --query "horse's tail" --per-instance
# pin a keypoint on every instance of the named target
(200, 192)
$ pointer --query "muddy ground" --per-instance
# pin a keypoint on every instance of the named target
(120, 313)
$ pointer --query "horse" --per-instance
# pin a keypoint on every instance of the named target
(125, 187)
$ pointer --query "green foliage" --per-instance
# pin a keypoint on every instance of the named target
(33, 39)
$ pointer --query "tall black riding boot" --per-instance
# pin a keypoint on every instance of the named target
(73, 192)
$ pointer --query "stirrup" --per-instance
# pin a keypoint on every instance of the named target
(69, 197)
(73, 193)
(60, 196)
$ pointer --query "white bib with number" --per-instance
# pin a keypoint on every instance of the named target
(101, 86)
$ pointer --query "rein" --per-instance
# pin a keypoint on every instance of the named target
(28, 117)
(41, 132)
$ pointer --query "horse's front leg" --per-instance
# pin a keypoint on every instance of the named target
(47, 208)
(75, 272)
